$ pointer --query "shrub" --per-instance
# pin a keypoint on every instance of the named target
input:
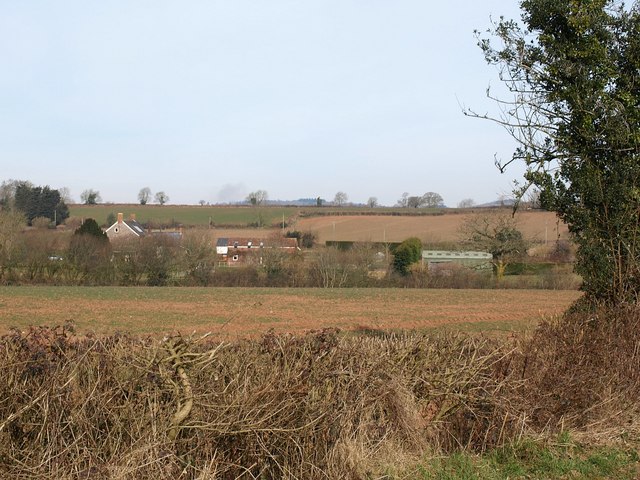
(91, 227)
(406, 254)
(305, 239)
(41, 222)
(322, 405)
(111, 219)
(87, 259)
(581, 369)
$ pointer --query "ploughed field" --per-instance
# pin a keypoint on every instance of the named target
(243, 312)
(536, 226)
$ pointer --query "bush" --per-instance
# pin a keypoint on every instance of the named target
(41, 222)
(305, 240)
(406, 254)
(111, 219)
(158, 258)
(87, 259)
(91, 227)
(322, 405)
(581, 369)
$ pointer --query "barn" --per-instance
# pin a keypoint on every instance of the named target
(235, 251)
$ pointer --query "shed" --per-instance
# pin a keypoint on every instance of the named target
(468, 259)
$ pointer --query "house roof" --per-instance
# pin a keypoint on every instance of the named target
(132, 225)
(135, 226)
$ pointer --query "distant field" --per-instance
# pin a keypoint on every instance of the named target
(199, 216)
(188, 215)
(346, 224)
(432, 228)
(241, 312)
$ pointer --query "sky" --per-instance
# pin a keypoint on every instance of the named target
(210, 99)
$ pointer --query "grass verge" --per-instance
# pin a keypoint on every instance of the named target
(529, 459)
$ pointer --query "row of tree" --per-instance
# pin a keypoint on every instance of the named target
(33, 202)
(87, 257)
(256, 198)
(144, 196)
(428, 200)
(92, 197)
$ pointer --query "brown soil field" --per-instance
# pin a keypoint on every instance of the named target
(536, 226)
(238, 312)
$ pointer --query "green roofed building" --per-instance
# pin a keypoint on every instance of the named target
(467, 259)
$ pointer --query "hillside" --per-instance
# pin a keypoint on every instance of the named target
(340, 224)
(433, 228)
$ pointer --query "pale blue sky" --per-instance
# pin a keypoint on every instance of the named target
(213, 99)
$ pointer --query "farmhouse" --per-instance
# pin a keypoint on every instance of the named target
(241, 251)
(125, 229)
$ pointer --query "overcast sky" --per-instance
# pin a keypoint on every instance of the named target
(209, 100)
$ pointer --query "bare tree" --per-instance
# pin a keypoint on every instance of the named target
(404, 200)
(329, 270)
(11, 225)
(259, 197)
(496, 233)
(90, 197)
(532, 198)
(161, 198)
(340, 199)
(197, 256)
(372, 202)
(65, 195)
(8, 191)
(432, 200)
(466, 203)
(429, 199)
(144, 195)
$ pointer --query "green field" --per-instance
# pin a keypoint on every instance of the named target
(187, 215)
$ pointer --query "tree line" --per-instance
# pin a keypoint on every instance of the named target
(256, 198)
(85, 256)
(34, 202)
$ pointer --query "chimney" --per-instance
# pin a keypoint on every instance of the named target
(132, 217)
(120, 218)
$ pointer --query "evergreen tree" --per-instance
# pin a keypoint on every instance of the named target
(572, 68)
(40, 202)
